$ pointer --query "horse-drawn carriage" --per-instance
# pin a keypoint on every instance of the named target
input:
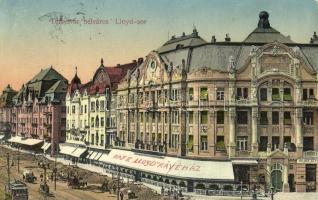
(76, 182)
(28, 176)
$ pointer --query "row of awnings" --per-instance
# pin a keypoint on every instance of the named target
(94, 155)
(25, 141)
(75, 151)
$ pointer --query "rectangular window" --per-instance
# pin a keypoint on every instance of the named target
(220, 146)
(308, 93)
(287, 118)
(204, 94)
(220, 117)
(242, 117)
(190, 143)
(166, 117)
(275, 94)
(190, 116)
(92, 122)
(85, 109)
(308, 118)
(308, 144)
(220, 94)
(275, 142)
(287, 94)
(275, 117)
(191, 94)
(204, 142)
(175, 117)
(263, 94)
(242, 143)
(102, 105)
(241, 93)
(204, 117)
(73, 109)
(263, 118)
(287, 141)
(159, 117)
(92, 106)
(174, 94)
(102, 122)
(263, 143)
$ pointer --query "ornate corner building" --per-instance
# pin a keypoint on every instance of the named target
(91, 112)
(253, 102)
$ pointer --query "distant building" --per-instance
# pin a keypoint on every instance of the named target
(252, 102)
(6, 105)
(91, 111)
(39, 111)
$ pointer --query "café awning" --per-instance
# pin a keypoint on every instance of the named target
(67, 149)
(79, 152)
(171, 166)
(25, 141)
(1, 137)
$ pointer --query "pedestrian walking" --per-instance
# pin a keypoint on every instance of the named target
(121, 194)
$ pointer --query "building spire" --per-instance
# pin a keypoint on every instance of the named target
(102, 62)
(76, 70)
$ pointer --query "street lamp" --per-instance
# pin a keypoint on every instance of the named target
(272, 193)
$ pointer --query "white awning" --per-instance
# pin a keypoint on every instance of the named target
(89, 154)
(46, 146)
(93, 155)
(98, 156)
(171, 166)
(244, 162)
(79, 151)
(67, 149)
(25, 141)
(1, 137)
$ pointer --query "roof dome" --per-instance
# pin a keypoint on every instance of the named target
(76, 80)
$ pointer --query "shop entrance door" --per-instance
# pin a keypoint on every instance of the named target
(277, 177)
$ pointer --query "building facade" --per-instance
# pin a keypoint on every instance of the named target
(6, 105)
(91, 108)
(252, 102)
(39, 111)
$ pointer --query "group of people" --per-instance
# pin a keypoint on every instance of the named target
(171, 192)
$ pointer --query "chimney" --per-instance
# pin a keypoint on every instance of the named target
(314, 39)
(140, 60)
(213, 39)
(227, 38)
(183, 34)
(134, 61)
(118, 65)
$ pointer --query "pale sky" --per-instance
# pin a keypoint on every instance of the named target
(29, 41)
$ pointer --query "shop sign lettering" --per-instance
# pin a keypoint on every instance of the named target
(157, 165)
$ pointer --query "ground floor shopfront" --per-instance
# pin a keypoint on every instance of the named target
(281, 171)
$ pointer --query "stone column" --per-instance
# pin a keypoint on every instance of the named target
(232, 144)
(299, 131)
(285, 179)
(254, 143)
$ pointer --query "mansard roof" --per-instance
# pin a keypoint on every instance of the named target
(183, 41)
(216, 55)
